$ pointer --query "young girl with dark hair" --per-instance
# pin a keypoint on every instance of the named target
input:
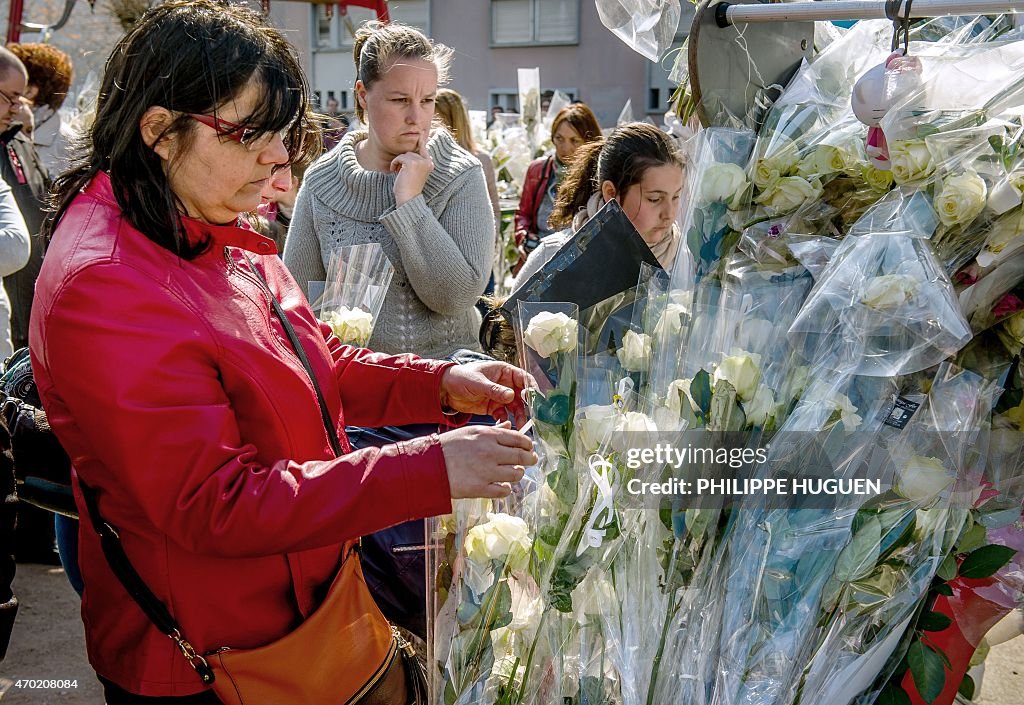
(638, 165)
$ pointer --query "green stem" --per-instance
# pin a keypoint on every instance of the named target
(529, 658)
(670, 614)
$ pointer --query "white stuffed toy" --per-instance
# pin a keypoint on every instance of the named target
(875, 93)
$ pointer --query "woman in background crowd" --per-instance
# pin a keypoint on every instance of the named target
(49, 78)
(574, 126)
(412, 189)
(639, 166)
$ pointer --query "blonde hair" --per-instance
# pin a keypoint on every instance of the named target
(450, 108)
(378, 44)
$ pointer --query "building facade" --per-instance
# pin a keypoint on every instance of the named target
(576, 54)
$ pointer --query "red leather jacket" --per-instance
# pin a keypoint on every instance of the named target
(538, 174)
(177, 395)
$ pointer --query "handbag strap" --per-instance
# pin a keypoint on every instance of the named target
(110, 541)
(137, 589)
(332, 433)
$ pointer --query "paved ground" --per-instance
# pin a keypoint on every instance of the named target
(48, 644)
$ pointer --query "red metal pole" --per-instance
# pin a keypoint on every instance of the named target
(14, 17)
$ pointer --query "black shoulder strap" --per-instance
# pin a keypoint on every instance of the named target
(150, 604)
(332, 433)
(110, 541)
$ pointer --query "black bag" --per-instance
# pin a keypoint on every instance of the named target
(395, 559)
(41, 467)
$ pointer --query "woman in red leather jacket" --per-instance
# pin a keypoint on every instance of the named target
(172, 384)
(574, 126)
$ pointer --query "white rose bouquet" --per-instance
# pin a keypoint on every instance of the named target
(718, 194)
(358, 278)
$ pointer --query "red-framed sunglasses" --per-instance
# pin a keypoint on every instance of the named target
(248, 137)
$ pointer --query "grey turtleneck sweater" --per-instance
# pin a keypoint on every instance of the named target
(440, 243)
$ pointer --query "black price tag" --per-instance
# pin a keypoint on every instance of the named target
(901, 413)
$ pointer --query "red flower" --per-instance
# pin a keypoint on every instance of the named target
(1009, 304)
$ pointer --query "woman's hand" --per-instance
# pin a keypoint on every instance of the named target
(413, 168)
(483, 461)
(493, 388)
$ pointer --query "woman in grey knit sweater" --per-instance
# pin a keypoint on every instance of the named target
(411, 189)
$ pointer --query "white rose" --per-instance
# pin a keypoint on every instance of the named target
(877, 179)
(823, 160)
(833, 403)
(962, 199)
(549, 333)
(847, 411)
(635, 353)
(632, 429)
(501, 538)
(789, 193)
(1004, 231)
(671, 322)
(742, 371)
(889, 291)
(765, 174)
(910, 160)
(724, 182)
(527, 607)
(593, 596)
(595, 424)
(761, 408)
(350, 325)
(782, 156)
(678, 390)
(922, 479)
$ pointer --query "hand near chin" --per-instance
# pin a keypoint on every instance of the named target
(413, 168)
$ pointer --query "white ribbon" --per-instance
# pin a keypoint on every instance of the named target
(606, 479)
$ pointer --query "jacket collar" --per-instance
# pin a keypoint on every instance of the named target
(237, 234)
(9, 134)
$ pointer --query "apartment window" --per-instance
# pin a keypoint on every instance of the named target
(507, 99)
(515, 22)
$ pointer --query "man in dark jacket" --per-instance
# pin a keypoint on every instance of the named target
(21, 169)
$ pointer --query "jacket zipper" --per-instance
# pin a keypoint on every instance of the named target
(414, 548)
(389, 661)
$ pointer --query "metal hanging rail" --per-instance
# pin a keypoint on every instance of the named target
(727, 14)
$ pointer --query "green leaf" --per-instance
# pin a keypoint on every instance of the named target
(943, 589)
(972, 539)
(892, 694)
(947, 569)
(967, 687)
(985, 561)
(996, 141)
(925, 130)
(927, 671)
(554, 410)
(858, 557)
(700, 389)
(934, 622)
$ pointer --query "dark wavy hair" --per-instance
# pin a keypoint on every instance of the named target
(189, 57)
(49, 70)
(622, 158)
